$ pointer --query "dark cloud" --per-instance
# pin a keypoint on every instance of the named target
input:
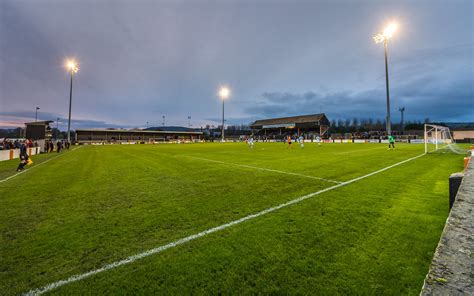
(26, 116)
(140, 60)
(454, 103)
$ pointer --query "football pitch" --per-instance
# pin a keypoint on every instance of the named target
(222, 218)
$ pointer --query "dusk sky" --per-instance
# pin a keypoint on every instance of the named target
(140, 60)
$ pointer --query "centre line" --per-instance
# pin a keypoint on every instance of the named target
(265, 169)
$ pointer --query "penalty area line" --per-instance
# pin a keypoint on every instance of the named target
(265, 169)
(34, 166)
(184, 240)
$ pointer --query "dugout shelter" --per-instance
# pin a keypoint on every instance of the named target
(308, 125)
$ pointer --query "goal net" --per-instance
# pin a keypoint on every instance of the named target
(439, 138)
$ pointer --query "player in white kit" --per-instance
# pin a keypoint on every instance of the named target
(318, 140)
(250, 142)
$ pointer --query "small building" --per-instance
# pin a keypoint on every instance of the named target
(84, 136)
(314, 124)
(463, 135)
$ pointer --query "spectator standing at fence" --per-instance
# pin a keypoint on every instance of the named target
(51, 146)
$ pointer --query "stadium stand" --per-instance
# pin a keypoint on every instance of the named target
(278, 128)
(85, 136)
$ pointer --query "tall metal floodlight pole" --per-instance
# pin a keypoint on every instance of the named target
(36, 114)
(402, 128)
(164, 120)
(189, 121)
(73, 68)
(224, 93)
(383, 37)
(147, 124)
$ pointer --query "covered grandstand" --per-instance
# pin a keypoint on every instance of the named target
(306, 125)
(84, 136)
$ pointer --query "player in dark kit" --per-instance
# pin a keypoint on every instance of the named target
(23, 157)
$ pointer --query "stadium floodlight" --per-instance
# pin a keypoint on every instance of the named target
(224, 94)
(383, 37)
(386, 34)
(72, 67)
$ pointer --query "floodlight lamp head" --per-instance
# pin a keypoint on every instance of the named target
(72, 66)
(224, 92)
(386, 34)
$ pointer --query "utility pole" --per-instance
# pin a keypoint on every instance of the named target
(36, 114)
(402, 128)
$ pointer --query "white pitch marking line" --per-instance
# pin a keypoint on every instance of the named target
(264, 169)
(355, 151)
(176, 243)
(29, 169)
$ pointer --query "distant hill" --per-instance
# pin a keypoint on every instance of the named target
(460, 125)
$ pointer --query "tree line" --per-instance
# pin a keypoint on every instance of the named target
(370, 124)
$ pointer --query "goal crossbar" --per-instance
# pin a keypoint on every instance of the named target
(437, 135)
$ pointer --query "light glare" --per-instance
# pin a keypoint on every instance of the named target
(387, 33)
(224, 92)
(72, 66)
(389, 30)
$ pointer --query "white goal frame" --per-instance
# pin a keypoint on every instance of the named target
(436, 134)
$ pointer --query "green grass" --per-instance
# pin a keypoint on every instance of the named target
(100, 204)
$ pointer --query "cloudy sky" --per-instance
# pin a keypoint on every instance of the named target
(140, 60)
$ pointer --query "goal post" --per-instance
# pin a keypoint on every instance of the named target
(436, 137)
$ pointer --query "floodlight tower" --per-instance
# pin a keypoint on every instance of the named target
(383, 37)
(72, 68)
(36, 114)
(163, 119)
(189, 121)
(224, 93)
